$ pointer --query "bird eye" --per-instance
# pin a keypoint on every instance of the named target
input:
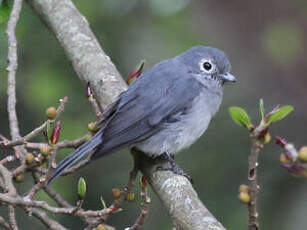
(207, 66)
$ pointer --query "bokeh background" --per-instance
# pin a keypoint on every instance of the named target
(266, 43)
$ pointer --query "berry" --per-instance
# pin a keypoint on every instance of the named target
(51, 113)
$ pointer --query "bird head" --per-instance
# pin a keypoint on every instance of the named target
(209, 65)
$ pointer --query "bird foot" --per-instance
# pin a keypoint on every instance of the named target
(173, 166)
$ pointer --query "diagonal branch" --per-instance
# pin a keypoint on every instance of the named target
(82, 48)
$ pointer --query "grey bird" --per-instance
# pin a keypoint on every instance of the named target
(165, 110)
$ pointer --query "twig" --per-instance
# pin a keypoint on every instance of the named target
(41, 182)
(253, 223)
(25, 202)
(12, 67)
(9, 187)
(9, 158)
(4, 223)
(7, 180)
(50, 223)
(12, 217)
(38, 130)
(73, 144)
(95, 106)
(53, 195)
(144, 208)
(118, 202)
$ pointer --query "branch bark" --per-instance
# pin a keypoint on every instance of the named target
(82, 48)
(94, 66)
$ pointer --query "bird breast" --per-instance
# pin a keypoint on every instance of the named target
(188, 127)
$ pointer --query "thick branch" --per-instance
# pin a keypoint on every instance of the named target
(177, 195)
(82, 48)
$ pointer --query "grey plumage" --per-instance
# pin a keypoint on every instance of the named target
(165, 110)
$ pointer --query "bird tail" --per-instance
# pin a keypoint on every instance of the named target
(72, 158)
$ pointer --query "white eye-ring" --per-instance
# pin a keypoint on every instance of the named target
(206, 66)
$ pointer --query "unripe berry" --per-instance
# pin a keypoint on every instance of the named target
(29, 158)
(244, 197)
(45, 150)
(92, 127)
(51, 113)
(302, 154)
(131, 197)
(19, 178)
(100, 227)
(284, 159)
(267, 138)
(116, 193)
(243, 188)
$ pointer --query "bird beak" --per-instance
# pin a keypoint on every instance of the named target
(229, 77)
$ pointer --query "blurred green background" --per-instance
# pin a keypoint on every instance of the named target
(266, 43)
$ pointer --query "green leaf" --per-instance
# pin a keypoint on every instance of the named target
(280, 114)
(81, 188)
(240, 116)
(103, 203)
(5, 11)
(261, 105)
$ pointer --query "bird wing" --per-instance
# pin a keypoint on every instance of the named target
(147, 104)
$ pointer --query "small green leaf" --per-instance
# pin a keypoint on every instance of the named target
(81, 188)
(261, 105)
(103, 203)
(240, 116)
(280, 114)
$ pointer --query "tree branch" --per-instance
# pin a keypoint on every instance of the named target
(177, 195)
(82, 48)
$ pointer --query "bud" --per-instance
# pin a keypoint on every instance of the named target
(267, 138)
(244, 197)
(116, 193)
(56, 133)
(92, 127)
(263, 133)
(131, 197)
(302, 154)
(244, 188)
(284, 158)
(143, 182)
(45, 150)
(81, 188)
(280, 141)
(51, 113)
(114, 209)
(137, 71)
(29, 158)
(100, 227)
(19, 178)
(89, 93)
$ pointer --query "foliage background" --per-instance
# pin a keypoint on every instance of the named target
(266, 43)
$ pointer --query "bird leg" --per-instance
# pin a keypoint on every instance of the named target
(174, 167)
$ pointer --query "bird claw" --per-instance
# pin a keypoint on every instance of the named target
(174, 167)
